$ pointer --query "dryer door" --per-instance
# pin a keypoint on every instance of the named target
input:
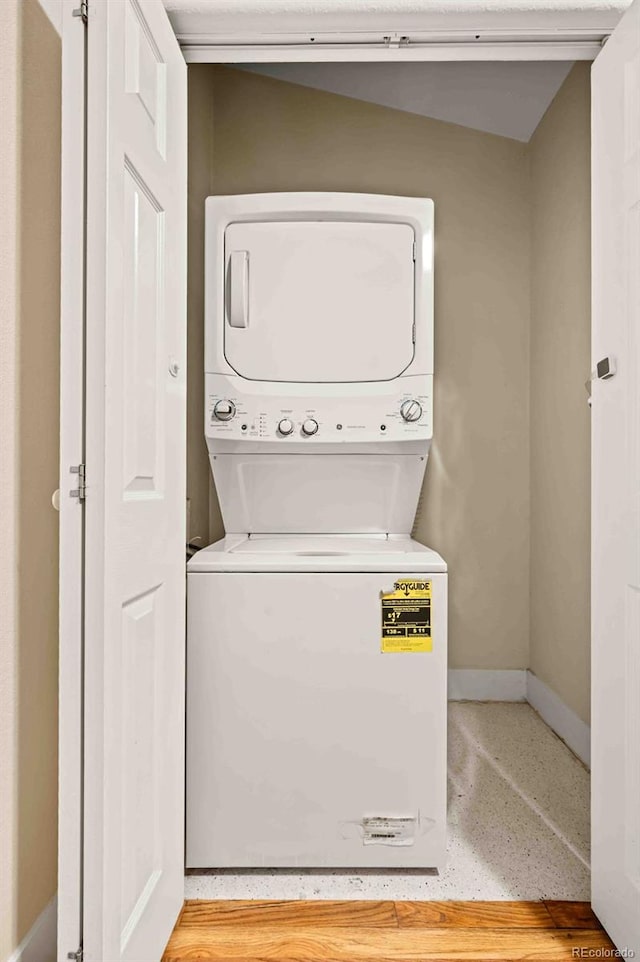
(317, 301)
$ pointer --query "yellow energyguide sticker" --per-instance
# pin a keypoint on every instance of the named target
(406, 617)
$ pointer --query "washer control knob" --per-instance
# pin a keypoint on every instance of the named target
(285, 427)
(411, 410)
(223, 410)
(309, 427)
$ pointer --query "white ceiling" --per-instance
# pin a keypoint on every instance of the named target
(502, 98)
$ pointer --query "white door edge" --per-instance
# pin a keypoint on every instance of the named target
(72, 332)
(615, 512)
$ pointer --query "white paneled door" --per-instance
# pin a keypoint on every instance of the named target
(616, 485)
(135, 469)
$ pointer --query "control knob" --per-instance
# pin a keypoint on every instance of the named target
(285, 427)
(223, 410)
(309, 427)
(411, 410)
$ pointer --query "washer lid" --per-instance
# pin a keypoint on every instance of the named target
(317, 553)
(324, 545)
(319, 301)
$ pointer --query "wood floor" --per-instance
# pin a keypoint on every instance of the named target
(385, 931)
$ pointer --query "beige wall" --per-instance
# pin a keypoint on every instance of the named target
(270, 135)
(9, 185)
(29, 385)
(200, 186)
(560, 363)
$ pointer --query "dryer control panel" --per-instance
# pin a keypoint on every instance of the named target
(394, 411)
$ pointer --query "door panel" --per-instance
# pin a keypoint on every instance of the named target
(319, 301)
(144, 340)
(135, 515)
(616, 486)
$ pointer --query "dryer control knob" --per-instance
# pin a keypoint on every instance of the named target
(224, 410)
(411, 410)
(309, 427)
(285, 427)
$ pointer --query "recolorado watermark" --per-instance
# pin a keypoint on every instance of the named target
(603, 953)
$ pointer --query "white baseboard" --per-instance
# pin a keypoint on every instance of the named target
(479, 684)
(559, 717)
(39, 944)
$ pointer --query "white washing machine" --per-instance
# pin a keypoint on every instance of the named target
(317, 628)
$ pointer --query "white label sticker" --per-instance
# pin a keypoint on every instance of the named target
(381, 830)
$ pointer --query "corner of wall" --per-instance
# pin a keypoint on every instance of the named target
(559, 158)
(529, 179)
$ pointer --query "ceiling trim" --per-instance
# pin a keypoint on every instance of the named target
(233, 31)
(389, 49)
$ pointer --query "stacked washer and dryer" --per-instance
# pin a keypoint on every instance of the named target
(317, 628)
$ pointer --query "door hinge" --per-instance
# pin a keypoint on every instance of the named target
(82, 11)
(76, 956)
(81, 491)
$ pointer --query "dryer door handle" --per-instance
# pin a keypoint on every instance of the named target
(238, 289)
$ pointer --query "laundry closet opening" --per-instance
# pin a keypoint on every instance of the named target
(503, 151)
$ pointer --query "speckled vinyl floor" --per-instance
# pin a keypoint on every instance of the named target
(518, 825)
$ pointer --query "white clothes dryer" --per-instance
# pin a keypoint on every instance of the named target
(317, 628)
